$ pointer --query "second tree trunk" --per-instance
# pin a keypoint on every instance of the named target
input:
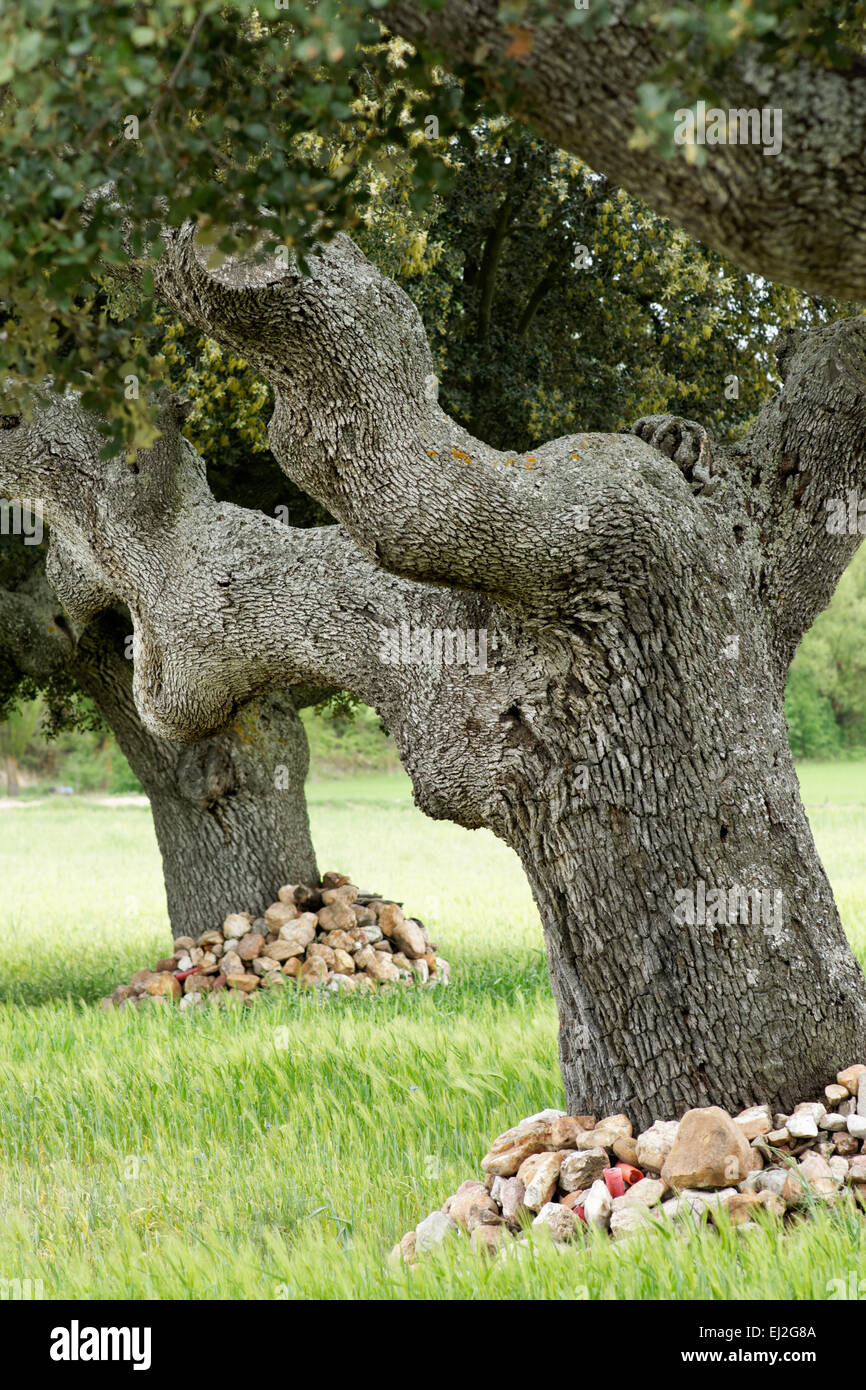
(229, 813)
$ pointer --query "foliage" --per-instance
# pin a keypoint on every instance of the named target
(348, 737)
(812, 729)
(557, 303)
(80, 756)
(203, 112)
(344, 737)
(828, 677)
(260, 127)
(701, 35)
(16, 732)
(64, 707)
(19, 728)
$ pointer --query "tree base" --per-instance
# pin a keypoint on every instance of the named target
(557, 1175)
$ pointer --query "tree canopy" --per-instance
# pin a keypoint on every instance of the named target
(266, 121)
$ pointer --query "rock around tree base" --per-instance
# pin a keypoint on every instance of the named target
(568, 1173)
(331, 937)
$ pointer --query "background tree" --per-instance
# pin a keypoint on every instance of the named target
(827, 698)
(553, 300)
(229, 813)
(16, 731)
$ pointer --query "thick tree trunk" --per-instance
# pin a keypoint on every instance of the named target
(639, 601)
(229, 813)
(695, 952)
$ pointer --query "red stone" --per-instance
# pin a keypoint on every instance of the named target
(630, 1174)
(615, 1182)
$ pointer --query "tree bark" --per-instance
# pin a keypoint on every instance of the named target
(670, 787)
(640, 597)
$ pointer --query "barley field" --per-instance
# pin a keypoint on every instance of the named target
(278, 1152)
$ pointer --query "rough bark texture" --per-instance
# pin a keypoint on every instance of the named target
(229, 812)
(642, 599)
(797, 216)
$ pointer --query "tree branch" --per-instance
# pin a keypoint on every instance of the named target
(31, 639)
(226, 604)
(803, 472)
(358, 426)
(490, 258)
(796, 216)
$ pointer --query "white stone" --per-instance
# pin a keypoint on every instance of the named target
(697, 1196)
(768, 1180)
(432, 1231)
(776, 1136)
(802, 1126)
(654, 1145)
(646, 1193)
(544, 1115)
(558, 1220)
(581, 1169)
(755, 1121)
(838, 1167)
(861, 1095)
(443, 970)
(811, 1107)
(598, 1205)
(628, 1220)
(830, 1123)
(695, 1200)
(857, 1126)
(496, 1190)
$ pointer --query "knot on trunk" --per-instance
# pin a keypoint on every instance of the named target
(205, 774)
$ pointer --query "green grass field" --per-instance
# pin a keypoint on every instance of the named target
(279, 1151)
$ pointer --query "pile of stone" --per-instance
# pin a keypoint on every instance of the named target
(333, 937)
(558, 1175)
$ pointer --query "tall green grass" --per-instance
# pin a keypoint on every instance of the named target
(279, 1151)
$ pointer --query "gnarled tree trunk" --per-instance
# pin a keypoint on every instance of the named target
(638, 601)
(695, 951)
